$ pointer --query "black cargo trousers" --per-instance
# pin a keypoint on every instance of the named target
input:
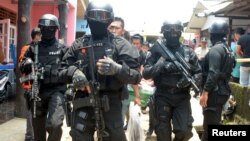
(83, 121)
(212, 113)
(173, 109)
(49, 117)
(152, 119)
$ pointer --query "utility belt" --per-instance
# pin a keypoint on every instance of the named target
(52, 85)
(168, 80)
(171, 90)
(110, 91)
(90, 101)
(83, 99)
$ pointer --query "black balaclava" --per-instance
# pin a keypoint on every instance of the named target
(48, 32)
(172, 38)
(172, 32)
(48, 35)
(98, 29)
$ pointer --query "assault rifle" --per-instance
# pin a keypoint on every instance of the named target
(35, 75)
(179, 62)
(94, 100)
(98, 103)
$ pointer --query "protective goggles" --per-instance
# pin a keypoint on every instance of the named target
(48, 28)
(172, 27)
(99, 15)
(46, 22)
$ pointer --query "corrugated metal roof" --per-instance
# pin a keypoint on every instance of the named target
(236, 9)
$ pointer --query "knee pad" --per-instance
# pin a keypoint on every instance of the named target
(83, 122)
(183, 135)
(81, 126)
(78, 136)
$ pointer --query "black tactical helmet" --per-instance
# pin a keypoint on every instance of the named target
(100, 12)
(219, 27)
(49, 20)
(172, 30)
(174, 25)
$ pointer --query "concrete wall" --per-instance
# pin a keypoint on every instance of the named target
(39, 9)
(242, 96)
(72, 21)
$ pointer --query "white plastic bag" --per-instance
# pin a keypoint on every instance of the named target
(135, 130)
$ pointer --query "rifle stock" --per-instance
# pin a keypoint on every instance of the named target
(182, 66)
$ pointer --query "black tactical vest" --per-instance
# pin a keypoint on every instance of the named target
(229, 60)
(49, 60)
(101, 48)
(171, 79)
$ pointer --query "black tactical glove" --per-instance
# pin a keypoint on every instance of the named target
(170, 67)
(159, 65)
(183, 83)
(164, 66)
(79, 80)
(107, 66)
(26, 66)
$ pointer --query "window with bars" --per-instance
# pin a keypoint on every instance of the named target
(6, 14)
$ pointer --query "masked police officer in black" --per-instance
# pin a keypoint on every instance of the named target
(113, 69)
(217, 70)
(172, 98)
(49, 110)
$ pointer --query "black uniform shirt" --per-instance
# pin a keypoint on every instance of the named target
(124, 54)
(166, 79)
(214, 61)
(49, 56)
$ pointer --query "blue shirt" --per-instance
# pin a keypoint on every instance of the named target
(236, 69)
